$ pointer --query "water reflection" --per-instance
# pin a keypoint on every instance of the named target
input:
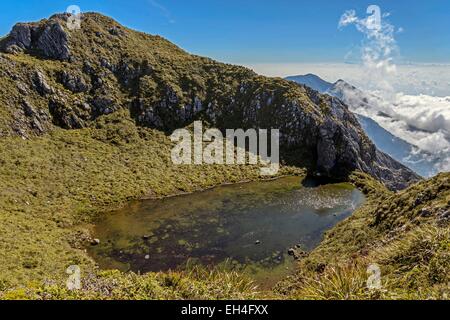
(249, 225)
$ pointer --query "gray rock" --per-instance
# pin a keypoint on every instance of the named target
(73, 82)
(23, 89)
(425, 212)
(326, 149)
(49, 40)
(197, 105)
(21, 36)
(37, 119)
(37, 125)
(116, 31)
(53, 42)
(105, 64)
(65, 116)
(297, 253)
(28, 109)
(443, 217)
(103, 105)
(40, 84)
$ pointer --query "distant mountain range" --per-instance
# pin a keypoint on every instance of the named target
(312, 81)
(422, 162)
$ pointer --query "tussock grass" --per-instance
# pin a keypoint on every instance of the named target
(411, 250)
(199, 283)
(346, 282)
(55, 186)
(57, 182)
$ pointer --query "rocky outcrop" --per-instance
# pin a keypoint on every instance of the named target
(166, 88)
(38, 120)
(333, 145)
(73, 82)
(48, 40)
(52, 42)
(65, 116)
(40, 84)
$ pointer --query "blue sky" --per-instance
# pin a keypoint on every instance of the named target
(261, 31)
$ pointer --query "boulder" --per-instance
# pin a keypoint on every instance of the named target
(48, 40)
(73, 82)
(40, 84)
(53, 42)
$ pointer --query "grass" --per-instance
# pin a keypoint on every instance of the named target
(198, 284)
(54, 186)
(412, 251)
(56, 183)
(414, 261)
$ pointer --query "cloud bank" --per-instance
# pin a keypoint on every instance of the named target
(412, 101)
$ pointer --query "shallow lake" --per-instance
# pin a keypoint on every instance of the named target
(248, 226)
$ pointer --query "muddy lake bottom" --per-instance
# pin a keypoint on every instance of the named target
(246, 227)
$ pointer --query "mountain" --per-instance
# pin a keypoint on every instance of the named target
(422, 162)
(404, 234)
(312, 81)
(85, 116)
(58, 77)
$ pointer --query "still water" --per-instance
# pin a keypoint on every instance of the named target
(248, 226)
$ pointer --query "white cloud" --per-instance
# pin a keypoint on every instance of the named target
(422, 120)
(412, 79)
(378, 46)
(416, 98)
(349, 17)
(424, 112)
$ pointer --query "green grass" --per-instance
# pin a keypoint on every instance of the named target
(57, 183)
(55, 186)
(412, 251)
(198, 283)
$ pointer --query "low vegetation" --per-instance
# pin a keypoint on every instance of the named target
(79, 138)
(406, 235)
(50, 197)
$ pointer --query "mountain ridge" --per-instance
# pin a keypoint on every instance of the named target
(72, 77)
(84, 135)
(422, 162)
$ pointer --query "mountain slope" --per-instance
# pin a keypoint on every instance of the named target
(70, 78)
(404, 235)
(83, 123)
(312, 81)
(422, 162)
(84, 118)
